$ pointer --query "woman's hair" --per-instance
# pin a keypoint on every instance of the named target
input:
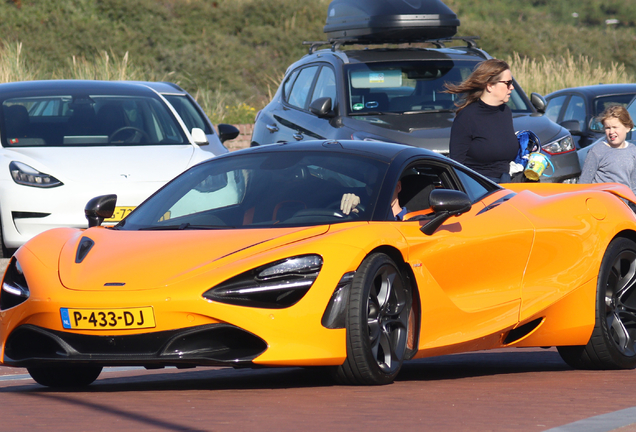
(618, 112)
(486, 72)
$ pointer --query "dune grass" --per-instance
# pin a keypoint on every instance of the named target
(542, 75)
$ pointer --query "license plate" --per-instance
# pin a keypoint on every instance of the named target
(108, 319)
(119, 214)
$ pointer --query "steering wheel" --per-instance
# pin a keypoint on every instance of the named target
(335, 206)
(134, 138)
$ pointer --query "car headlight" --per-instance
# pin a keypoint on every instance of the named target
(561, 145)
(25, 175)
(14, 286)
(273, 286)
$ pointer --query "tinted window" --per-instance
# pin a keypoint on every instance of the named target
(474, 188)
(575, 110)
(326, 85)
(554, 108)
(302, 86)
(288, 84)
(418, 181)
(601, 103)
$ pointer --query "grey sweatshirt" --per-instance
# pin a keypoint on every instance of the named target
(605, 164)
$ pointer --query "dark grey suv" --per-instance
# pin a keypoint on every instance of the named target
(394, 95)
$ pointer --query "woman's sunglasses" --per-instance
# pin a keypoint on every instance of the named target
(507, 83)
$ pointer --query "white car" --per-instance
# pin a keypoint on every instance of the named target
(65, 142)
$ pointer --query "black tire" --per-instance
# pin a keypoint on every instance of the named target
(611, 345)
(377, 323)
(65, 376)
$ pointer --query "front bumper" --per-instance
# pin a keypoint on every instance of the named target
(206, 345)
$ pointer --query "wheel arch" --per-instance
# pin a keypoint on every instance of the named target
(415, 322)
(626, 233)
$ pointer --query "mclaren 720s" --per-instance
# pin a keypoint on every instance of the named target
(351, 256)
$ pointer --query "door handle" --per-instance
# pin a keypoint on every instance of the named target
(298, 136)
(272, 128)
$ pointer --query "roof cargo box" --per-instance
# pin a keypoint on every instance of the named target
(390, 21)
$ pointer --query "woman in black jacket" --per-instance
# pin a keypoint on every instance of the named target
(483, 136)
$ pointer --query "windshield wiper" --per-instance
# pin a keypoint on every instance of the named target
(429, 111)
(369, 113)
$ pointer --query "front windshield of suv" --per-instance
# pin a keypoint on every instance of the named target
(88, 120)
(410, 87)
(263, 190)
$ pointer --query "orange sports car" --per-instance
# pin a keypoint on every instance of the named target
(355, 256)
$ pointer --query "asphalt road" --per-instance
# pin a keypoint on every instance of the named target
(503, 390)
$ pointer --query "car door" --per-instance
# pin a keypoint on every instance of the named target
(294, 122)
(470, 270)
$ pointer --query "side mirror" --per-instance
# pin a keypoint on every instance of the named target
(321, 108)
(574, 126)
(227, 132)
(199, 137)
(100, 208)
(445, 203)
(596, 126)
(538, 102)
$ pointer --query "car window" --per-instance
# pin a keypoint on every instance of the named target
(575, 110)
(600, 104)
(418, 181)
(325, 85)
(474, 188)
(191, 116)
(88, 120)
(554, 108)
(288, 84)
(302, 86)
(409, 86)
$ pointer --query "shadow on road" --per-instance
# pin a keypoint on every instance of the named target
(514, 361)
(485, 363)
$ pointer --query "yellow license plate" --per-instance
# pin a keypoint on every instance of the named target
(108, 319)
(119, 214)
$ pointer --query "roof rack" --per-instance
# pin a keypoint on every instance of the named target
(439, 43)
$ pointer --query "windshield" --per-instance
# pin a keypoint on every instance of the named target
(88, 120)
(262, 190)
(410, 87)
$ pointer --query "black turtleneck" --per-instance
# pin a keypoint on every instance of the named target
(483, 138)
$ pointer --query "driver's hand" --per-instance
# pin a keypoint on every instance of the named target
(349, 202)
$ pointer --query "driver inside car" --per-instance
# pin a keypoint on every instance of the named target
(350, 201)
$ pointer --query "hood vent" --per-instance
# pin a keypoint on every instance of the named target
(84, 247)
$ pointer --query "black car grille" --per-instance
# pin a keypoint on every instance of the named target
(214, 344)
